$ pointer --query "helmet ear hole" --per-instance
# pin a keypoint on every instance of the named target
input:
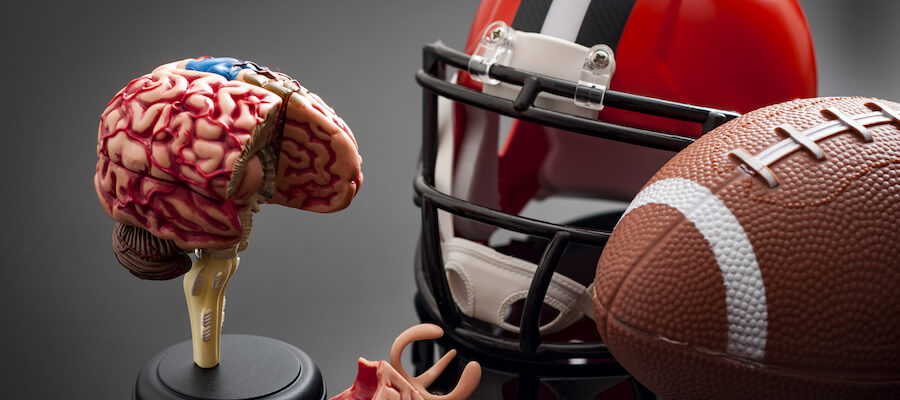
(514, 313)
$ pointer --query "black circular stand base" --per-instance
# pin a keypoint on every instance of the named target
(251, 367)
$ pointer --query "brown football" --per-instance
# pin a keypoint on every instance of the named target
(763, 261)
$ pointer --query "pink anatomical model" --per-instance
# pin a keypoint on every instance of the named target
(380, 380)
(187, 154)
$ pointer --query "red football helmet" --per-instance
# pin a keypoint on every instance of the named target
(579, 100)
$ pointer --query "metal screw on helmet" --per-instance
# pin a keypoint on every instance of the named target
(496, 34)
(599, 59)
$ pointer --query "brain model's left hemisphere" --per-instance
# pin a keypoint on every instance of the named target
(189, 151)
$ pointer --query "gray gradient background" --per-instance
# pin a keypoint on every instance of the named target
(74, 324)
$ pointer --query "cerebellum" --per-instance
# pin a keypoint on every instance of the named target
(147, 256)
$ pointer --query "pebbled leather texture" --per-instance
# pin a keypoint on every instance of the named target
(809, 309)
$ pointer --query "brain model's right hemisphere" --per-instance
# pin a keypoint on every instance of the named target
(763, 261)
(187, 154)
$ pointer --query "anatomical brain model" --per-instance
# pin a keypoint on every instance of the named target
(186, 155)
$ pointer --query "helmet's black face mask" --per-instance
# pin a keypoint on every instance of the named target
(434, 302)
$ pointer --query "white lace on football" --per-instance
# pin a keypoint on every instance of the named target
(486, 283)
(807, 139)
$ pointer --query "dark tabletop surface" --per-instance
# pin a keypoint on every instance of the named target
(75, 324)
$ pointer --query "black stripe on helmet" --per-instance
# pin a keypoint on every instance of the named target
(603, 22)
(530, 15)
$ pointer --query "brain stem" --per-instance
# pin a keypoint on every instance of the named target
(204, 289)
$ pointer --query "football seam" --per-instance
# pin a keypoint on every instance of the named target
(773, 368)
(808, 139)
(866, 170)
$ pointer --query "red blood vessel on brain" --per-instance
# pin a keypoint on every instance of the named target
(762, 261)
(188, 152)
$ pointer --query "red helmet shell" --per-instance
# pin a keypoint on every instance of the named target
(732, 55)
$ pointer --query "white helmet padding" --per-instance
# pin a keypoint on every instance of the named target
(486, 283)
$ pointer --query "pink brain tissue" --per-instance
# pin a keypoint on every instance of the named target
(188, 152)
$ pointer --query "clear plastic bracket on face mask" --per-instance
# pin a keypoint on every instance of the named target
(495, 47)
(598, 69)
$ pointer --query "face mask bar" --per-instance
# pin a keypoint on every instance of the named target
(529, 348)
